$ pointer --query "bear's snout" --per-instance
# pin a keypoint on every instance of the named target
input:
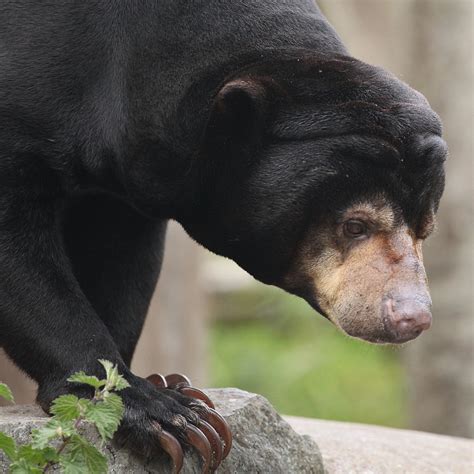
(405, 319)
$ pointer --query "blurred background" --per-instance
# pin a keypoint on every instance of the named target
(210, 320)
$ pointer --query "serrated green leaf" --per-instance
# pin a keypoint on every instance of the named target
(39, 457)
(5, 392)
(71, 466)
(112, 378)
(8, 446)
(115, 381)
(114, 402)
(23, 467)
(66, 408)
(92, 380)
(106, 415)
(84, 404)
(50, 454)
(121, 383)
(80, 456)
(51, 430)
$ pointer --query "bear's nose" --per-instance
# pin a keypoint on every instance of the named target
(405, 319)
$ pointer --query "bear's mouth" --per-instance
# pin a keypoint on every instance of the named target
(399, 318)
(387, 338)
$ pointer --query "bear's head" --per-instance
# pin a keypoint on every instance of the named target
(323, 176)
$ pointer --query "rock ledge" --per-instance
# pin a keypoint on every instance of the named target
(263, 441)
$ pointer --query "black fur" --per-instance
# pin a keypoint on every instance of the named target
(243, 120)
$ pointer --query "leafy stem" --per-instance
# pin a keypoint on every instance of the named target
(60, 441)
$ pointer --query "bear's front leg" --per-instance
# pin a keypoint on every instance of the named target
(50, 329)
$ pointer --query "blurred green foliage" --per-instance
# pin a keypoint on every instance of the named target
(268, 342)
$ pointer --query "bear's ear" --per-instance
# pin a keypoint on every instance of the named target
(239, 109)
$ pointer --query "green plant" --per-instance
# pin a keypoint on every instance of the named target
(60, 441)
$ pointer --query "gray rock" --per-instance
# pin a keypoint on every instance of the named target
(352, 448)
(263, 441)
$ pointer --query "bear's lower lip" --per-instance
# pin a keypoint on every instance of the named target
(390, 338)
(381, 337)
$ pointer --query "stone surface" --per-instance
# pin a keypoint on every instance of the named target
(351, 448)
(266, 443)
(263, 441)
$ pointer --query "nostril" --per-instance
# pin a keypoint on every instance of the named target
(423, 320)
(412, 322)
(406, 318)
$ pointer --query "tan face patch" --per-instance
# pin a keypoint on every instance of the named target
(351, 277)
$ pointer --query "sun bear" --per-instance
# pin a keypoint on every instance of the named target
(250, 124)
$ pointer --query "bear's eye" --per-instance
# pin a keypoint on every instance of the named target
(355, 229)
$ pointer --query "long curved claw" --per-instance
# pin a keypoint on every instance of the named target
(222, 428)
(171, 445)
(212, 438)
(214, 441)
(196, 393)
(174, 380)
(197, 439)
(157, 380)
